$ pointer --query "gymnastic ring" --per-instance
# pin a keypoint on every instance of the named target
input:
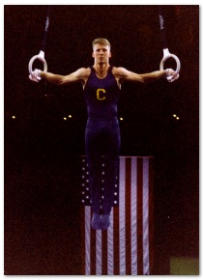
(40, 56)
(166, 56)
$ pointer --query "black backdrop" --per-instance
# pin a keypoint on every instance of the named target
(42, 184)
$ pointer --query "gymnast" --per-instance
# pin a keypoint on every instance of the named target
(101, 84)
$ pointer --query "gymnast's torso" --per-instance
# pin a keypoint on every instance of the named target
(101, 95)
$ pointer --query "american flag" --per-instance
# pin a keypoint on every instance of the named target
(126, 247)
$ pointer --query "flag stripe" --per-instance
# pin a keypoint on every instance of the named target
(128, 215)
(134, 216)
(110, 245)
(98, 252)
(93, 250)
(82, 217)
(116, 242)
(139, 219)
(87, 239)
(122, 251)
(151, 214)
(145, 212)
(104, 252)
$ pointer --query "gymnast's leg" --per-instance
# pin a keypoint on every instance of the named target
(112, 149)
(93, 153)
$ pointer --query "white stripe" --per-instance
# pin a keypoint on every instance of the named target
(98, 252)
(145, 216)
(134, 216)
(87, 239)
(122, 249)
(110, 241)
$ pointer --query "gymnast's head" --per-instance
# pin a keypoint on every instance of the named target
(101, 50)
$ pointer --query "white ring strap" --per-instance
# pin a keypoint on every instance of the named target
(166, 56)
(40, 56)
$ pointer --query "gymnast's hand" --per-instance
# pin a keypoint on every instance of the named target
(35, 76)
(171, 75)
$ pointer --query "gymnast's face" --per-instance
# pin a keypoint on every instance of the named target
(101, 53)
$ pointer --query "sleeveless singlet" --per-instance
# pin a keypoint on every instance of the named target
(101, 96)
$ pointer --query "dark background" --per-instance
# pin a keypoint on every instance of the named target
(42, 150)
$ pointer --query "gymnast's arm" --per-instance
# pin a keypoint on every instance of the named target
(79, 75)
(125, 75)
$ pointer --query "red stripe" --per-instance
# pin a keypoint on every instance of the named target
(139, 217)
(151, 214)
(93, 251)
(104, 252)
(116, 241)
(128, 214)
(82, 218)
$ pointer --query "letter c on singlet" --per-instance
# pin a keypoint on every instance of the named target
(99, 94)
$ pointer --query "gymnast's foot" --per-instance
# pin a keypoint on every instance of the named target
(105, 221)
(96, 221)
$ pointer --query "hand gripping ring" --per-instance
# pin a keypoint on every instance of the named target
(166, 56)
(40, 56)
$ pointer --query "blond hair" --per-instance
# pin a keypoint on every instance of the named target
(102, 41)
